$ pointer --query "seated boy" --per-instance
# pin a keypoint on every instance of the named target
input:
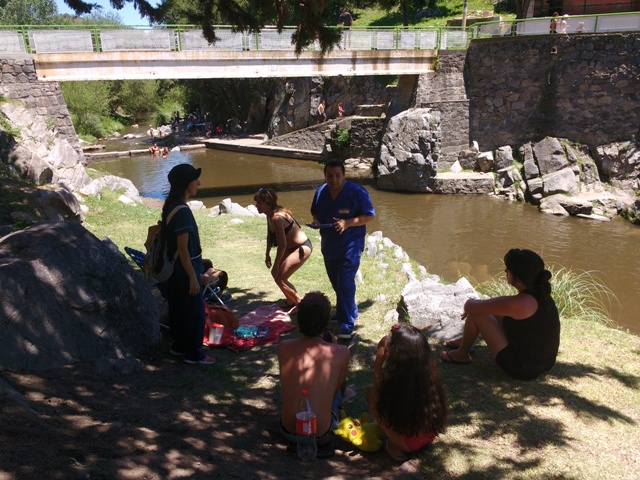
(313, 364)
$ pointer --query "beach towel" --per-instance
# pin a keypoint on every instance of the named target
(270, 316)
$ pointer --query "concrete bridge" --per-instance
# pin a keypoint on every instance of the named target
(64, 53)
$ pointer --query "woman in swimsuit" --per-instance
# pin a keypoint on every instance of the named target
(293, 246)
(405, 369)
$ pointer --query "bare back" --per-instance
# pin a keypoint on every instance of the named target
(313, 364)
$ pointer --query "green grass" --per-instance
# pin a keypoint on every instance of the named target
(578, 421)
(377, 17)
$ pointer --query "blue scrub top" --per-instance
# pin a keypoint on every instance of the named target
(352, 201)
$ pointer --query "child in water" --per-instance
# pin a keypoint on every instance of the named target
(407, 399)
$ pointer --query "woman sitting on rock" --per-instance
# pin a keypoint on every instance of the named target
(522, 331)
(293, 245)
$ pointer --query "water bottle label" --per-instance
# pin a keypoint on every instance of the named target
(305, 426)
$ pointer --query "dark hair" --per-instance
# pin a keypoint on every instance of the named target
(314, 312)
(270, 197)
(410, 397)
(334, 163)
(528, 267)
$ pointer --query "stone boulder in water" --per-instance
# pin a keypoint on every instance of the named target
(409, 152)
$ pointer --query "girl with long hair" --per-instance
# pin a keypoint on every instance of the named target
(522, 331)
(293, 245)
(407, 399)
(184, 289)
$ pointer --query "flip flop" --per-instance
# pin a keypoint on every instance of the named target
(453, 345)
(446, 358)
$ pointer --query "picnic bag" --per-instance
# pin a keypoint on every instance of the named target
(157, 262)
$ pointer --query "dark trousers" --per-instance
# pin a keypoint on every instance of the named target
(186, 317)
(342, 275)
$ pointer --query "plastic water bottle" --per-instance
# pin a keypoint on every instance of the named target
(306, 429)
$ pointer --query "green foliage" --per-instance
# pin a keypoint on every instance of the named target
(28, 12)
(86, 98)
(577, 294)
(89, 126)
(88, 103)
(343, 138)
(136, 98)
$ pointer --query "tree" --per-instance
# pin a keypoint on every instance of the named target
(405, 7)
(28, 12)
(244, 15)
(521, 7)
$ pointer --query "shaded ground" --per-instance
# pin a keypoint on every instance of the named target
(169, 420)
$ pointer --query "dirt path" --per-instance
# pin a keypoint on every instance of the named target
(167, 421)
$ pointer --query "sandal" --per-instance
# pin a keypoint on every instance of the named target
(446, 358)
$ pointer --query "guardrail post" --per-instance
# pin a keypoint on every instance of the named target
(25, 39)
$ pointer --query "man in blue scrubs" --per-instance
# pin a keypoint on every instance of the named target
(343, 209)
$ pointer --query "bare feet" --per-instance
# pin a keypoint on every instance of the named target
(454, 357)
(453, 343)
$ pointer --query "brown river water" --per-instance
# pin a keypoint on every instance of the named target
(451, 236)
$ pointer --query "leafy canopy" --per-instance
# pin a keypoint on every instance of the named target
(245, 15)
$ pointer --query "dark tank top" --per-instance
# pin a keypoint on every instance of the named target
(535, 341)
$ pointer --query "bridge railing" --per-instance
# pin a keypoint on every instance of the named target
(100, 38)
(78, 39)
(603, 23)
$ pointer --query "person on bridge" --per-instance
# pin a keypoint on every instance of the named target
(346, 21)
(522, 331)
(341, 210)
(293, 246)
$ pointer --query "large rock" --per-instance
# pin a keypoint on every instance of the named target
(563, 181)
(113, 183)
(429, 303)
(619, 159)
(67, 297)
(409, 151)
(550, 155)
(58, 204)
(38, 152)
(504, 157)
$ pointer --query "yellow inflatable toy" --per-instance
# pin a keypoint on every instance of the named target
(364, 433)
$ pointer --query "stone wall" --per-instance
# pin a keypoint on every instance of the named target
(18, 82)
(585, 88)
(444, 90)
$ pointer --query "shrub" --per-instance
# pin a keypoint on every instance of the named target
(343, 138)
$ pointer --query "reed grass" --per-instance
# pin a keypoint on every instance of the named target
(578, 294)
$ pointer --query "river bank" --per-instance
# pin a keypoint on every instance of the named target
(221, 421)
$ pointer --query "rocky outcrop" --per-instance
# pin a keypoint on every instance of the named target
(436, 306)
(426, 302)
(563, 179)
(410, 151)
(67, 297)
(35, 150)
